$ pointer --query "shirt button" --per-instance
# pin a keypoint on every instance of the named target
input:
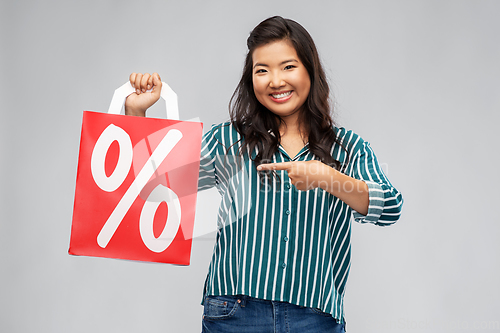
(285, 239)
(287, 185)
(283, 265)
(287, 212)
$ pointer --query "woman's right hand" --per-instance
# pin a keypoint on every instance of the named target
(138, 102)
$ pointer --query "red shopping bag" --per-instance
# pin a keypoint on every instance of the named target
(136, 184)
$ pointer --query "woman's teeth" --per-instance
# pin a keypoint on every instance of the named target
(282, 95)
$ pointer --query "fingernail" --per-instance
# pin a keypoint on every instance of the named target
(137, 91)
(149, 86)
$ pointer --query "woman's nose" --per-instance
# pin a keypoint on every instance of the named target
(276, 81)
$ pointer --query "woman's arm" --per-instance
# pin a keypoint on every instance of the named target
(362, 184)
(307, 175)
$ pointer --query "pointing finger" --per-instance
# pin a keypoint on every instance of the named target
(275, 166)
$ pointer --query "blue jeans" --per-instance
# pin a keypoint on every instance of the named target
(243, 314)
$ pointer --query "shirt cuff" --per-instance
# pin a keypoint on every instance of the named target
(375, 205)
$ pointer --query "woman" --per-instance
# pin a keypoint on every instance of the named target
(290, 182)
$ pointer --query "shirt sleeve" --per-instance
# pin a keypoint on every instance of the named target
(208, 176)
(385, 202)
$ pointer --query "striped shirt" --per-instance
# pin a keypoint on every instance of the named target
(277, 243)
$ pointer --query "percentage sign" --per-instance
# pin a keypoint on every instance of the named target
(158, 195)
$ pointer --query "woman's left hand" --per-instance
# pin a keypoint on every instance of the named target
(304, 175)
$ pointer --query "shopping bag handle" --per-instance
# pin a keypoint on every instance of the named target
(167, 94)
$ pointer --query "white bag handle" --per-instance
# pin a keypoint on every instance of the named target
(167, 94)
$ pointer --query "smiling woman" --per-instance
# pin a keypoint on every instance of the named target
(288, 41)
(282, 253)
(280, 80)
(281, 84)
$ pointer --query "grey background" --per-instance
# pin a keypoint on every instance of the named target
(418, 79)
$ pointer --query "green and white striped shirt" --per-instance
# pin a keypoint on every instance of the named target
(277, 243)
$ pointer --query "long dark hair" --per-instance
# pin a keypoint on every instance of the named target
(258, 126)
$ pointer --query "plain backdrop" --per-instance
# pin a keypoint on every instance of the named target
(419, 80)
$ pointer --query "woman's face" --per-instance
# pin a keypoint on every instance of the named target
(280, 80)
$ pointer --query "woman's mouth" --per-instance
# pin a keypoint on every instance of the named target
(281, 96)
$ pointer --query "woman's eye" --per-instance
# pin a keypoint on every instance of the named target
(260, 71)
(289, 67)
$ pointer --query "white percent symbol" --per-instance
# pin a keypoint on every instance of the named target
(158, 195)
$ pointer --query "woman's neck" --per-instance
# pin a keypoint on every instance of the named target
(291, 127)
(293, 137)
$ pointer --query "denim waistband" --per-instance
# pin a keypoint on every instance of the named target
(243, 299)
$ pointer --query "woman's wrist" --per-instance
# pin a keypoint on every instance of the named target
(134, 112)
(353, 192)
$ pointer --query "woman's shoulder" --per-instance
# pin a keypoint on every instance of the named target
(348, 139)
(221, 129)
(224, 134)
